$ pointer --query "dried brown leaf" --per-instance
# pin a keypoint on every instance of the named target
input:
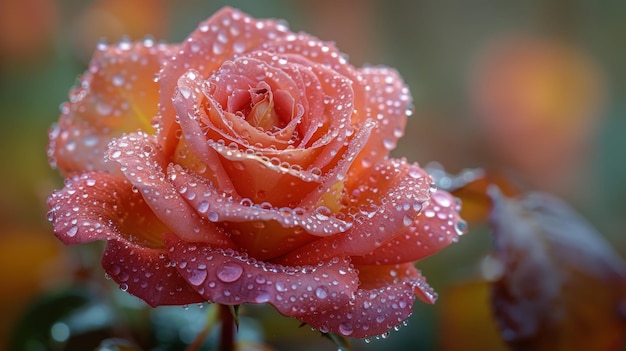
(563, 287)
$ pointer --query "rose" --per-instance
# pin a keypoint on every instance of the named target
(265, 179)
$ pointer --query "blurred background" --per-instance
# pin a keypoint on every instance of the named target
(533, 88)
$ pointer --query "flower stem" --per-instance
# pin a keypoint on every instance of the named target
(227, 334)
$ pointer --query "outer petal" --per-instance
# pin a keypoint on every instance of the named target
(147, 273)
(95, 206)
(143, 162)
(384, 301)
(438, 225)
(227, 33)
(401, 189)
(118, 94)
(227, 277)
(388, 100)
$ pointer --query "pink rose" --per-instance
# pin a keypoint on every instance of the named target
(264, 177)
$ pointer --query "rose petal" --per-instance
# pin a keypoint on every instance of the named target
(438, 225)
(307, 49)
(246, 173)
(262, 173)
(97, 205)
(118, 94)
(227, 33)
(188, 99)
(142, 162)
(388, 202)
(388, 101)
(348, 153)
(384, 301)
(262, 230)
(146, 273)
(227, 277)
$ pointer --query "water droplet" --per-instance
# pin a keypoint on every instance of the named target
(115, 270)
(345, 328)
(389, 143)
(197, 277)
(415, 173)
(203, 206)
(262, 297)
(461, 227)
(321, 292)
(280, 286)
(185, 91)
(72, 231)
(103, 109)
(118, 80)
(441, 199)
(407, 221)
(230, 272)
(213, 216)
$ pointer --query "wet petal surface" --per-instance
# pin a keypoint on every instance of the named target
(383, 301)
(95, 206)
(142, 162)
(146, 273)
(228, 277)
(384, 206)
(116, 95)
(437, 226)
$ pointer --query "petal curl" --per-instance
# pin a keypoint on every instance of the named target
(187, 100)
(97, 205)
(387, 101)
(309, 49)
(437, 226)
(116, 95)
(143, 163)
(249, 173)
(229, 32)
(384, 301)
(227, 277)
(385, 205)
(261, 230)
(146, 273)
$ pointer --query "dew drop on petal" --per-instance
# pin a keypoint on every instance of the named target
(203, 206)
(441, 199)
(213, 216)
(461, 227)
(321, 292)
(407, 221)
(389, 143)
(72, 231)
(415, 174)
(262, 297)
(346, 328)
(197, 277)
(117, 80)
(230, 272)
